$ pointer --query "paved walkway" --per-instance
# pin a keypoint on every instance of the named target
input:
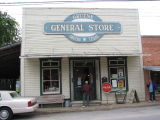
(95, 107)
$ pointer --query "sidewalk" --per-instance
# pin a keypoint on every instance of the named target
(96, 107)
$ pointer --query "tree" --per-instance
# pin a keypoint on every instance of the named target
(9, 32)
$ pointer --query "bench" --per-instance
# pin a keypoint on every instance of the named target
(50, 99)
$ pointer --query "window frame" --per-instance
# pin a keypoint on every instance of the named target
(117, 66)
(42, 68)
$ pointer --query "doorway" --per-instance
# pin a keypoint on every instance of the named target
(83, 70)
(155, 77)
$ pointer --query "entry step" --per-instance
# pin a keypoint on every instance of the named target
(79, 103)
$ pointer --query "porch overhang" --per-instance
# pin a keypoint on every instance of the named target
(79, 55)
(152, 68)
(9, 61)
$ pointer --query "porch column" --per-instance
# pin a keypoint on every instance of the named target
(65, 78)
(104, 72)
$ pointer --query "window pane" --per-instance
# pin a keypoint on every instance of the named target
(56, 84)
(112, 62)
(114, 83)
(14, 94)
(78, 63)
(121, 83)
(120, 72)
(46, 74)
(50, 86)
(54, 64)
(45, 64)
(54, 74)
(113, 72)
(121, 62)
(83, 63)
(90, 63)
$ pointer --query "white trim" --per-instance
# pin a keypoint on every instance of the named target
(79, 55)
(22, 89)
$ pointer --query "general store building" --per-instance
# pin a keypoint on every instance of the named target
(63, 47)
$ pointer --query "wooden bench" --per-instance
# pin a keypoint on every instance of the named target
(50, 99)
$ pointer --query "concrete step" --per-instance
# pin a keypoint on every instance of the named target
(91, 103)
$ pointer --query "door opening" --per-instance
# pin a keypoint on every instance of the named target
(83, 70)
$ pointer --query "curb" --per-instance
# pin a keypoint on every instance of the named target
(94, 108)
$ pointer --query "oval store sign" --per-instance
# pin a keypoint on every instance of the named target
(82, 27)
(106, 87)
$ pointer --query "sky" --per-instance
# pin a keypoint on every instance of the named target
(149, 11)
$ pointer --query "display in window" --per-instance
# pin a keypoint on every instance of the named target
(79, 81)
(51, 86)
(50, 77)
(114, 76)
(120, 83)
(114, 83)
(120, 72)
(113, 72)
(117, 72)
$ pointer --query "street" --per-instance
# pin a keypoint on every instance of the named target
(137, 113)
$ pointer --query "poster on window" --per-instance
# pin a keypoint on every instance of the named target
(120, 83)
(79, 82)
(120, 72)
(114, 75)
(114, 83)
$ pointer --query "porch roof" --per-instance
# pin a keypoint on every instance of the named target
(152, 68)
(79, 55)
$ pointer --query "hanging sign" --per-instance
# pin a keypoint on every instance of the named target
(82, 27)
(106, 87)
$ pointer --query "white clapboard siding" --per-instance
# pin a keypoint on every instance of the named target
(31, 77)
(36, 42)
(135, 78)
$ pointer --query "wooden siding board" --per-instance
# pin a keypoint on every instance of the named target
(135, 78)
(32, 77)
(37, 42)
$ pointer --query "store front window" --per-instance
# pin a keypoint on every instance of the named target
(50, 71)
(117, 73)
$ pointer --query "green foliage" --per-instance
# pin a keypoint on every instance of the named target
(9, 32)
